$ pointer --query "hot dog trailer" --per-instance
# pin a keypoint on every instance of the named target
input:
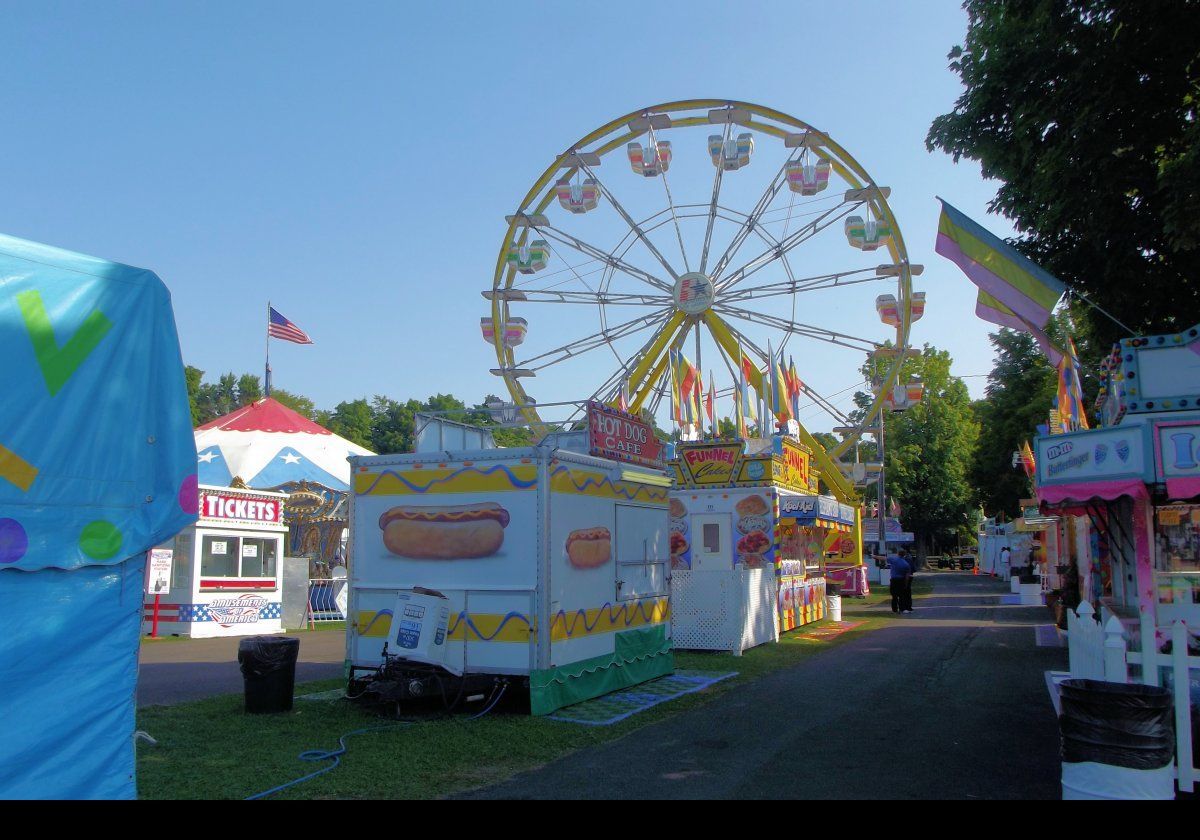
(744, 568)
(550, 564)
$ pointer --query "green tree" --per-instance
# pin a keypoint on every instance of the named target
(1086, 111)
(928, 450)
(352, 420)
(249, 389)
(194, 376)
(1020, 390)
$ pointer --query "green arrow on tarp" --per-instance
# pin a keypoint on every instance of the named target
(59, 364)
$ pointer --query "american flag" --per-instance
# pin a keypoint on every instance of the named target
(280, 327)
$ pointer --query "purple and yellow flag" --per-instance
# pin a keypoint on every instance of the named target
(1014, 291)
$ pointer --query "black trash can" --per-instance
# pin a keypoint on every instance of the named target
(268, 672)
(1118, 741)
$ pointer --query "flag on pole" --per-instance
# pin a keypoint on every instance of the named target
(1070, 391)
(742, 431)
(1027, 460)
(1014, 291)
(1006, 275)
(676, 401)
(795, 387)
(280, 327)
(745, 367)
(623, 398)
(708, 403)
(687, 380)
(779, 395)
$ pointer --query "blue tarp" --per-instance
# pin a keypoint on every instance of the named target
(97, 465)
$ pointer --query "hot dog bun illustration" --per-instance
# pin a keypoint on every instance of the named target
(444, 532)
(589, 548)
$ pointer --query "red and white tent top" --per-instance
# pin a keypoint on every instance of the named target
(267, 444)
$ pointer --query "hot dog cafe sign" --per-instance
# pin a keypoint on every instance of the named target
(619, 436)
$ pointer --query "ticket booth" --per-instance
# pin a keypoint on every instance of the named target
(224, 578)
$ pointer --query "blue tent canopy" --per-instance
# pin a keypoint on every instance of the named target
(97, 465)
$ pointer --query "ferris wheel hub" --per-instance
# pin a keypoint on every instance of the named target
(694, 293)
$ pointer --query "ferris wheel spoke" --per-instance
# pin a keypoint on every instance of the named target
(610, 259)
(591, 342)
(789, 242)
(755, 216)
(671, 205)
(612, 385)
(716, 194)
(825, 404)
(585, 298)
(807, 330)
(634, 226)
(803, 284)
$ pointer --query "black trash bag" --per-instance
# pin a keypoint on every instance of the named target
(268, 666)
(1116, 724)
(832, 588)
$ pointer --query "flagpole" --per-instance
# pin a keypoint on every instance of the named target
(1095, 306)
(267, 372)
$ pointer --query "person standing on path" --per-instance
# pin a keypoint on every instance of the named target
(900, 572)
(906, 604)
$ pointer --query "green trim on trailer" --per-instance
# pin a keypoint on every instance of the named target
(640, 655)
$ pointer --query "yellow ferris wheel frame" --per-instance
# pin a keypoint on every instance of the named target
(650, 368)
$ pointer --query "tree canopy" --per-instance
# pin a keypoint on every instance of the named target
(1020, 389)
(928, 452)
(1086, 111)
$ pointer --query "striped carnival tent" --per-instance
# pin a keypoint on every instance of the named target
(268, 445)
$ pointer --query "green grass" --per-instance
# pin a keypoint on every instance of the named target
(210, 749)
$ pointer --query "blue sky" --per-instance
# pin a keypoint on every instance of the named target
(353, 163)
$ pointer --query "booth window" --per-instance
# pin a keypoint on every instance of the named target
(258, 558)
(219, 556)
(1177, 554)
(712, 538)
(224, 556)
(181, 566)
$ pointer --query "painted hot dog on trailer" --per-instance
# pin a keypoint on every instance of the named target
(589, 548)
(444, 532)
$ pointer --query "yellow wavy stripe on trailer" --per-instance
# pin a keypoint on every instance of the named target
(471, 479)
(609, 619)
(579, 482)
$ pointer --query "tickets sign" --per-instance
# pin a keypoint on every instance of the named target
(241, 508)
(618, 436)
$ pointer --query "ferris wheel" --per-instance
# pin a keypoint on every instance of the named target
(718, 228)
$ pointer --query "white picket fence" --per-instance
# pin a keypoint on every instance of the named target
(1101, 652)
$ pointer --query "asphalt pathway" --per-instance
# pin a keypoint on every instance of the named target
(947, 702)
(177, 670)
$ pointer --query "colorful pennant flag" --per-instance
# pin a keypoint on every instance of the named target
(1070, 391)
(709, 408)
(623, 398)
(1014, 291)
(795, 387)
(686, 389)
(1006, 275)
(746, 368)
(1027, 460)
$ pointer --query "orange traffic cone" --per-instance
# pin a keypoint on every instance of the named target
(975, 570)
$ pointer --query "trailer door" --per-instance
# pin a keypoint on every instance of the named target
(643, 554)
